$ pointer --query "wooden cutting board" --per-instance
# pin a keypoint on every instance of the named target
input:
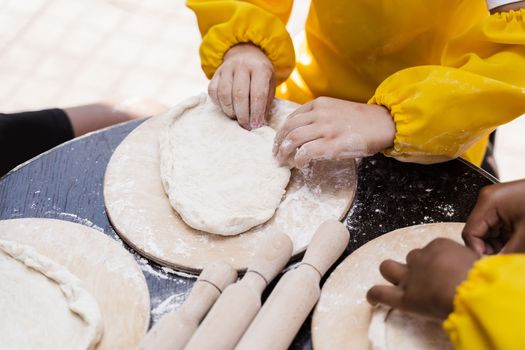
(140, 212)
(107, 270)
(342, 315)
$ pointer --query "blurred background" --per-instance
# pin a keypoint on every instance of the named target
(60, 53)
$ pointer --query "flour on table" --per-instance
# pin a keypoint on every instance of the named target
(43, 304)
(219, 177)
(396, 330)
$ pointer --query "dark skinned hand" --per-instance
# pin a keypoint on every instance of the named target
(426, 284)
(497, 222)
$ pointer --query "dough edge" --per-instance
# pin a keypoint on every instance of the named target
(78, 299)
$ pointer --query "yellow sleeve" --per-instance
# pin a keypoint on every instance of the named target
(489, 311)
(441, 111)
(226, 23)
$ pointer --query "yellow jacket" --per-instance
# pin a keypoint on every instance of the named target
(489, 307)
(448, 71)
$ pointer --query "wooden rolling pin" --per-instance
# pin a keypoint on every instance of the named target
(281, 316)
(232, 313)
(173, 330)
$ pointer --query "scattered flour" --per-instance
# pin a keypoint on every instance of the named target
(447, 209)
(165, 273)
(75, 218)
(170, 304)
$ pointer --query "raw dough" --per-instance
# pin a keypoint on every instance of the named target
(142, 215)
(395, 330)
(219, 177)
(43, 305)
(108, 271)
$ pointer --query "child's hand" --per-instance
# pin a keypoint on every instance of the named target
(427, 283)
(330, 128)
(497, 222)
(244, 85)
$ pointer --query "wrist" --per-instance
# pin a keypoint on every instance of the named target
(243, 48)
(384, 129)
(456, 279)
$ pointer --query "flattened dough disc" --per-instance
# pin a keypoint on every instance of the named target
(43, 303)
(140, 212)
(342, 315)
(107, 270)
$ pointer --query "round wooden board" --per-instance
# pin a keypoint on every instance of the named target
(342, 315)
(140, 212)
(107, 270)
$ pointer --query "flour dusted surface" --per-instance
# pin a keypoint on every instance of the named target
(219, 177)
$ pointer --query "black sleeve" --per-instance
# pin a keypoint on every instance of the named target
(25, 135)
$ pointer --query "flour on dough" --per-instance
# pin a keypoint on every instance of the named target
(43, 306)
(219, 177)
(396, 330)
(377, 328)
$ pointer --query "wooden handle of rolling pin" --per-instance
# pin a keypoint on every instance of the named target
(282, 315)
(328, 243)
(232, 313)
(173, 330)
(272, 257)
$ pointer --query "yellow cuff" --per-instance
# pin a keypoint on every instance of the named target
(459, 319)
(249, 24)
(488, 310)
(506, 27)
(441, 112)
(409, 118)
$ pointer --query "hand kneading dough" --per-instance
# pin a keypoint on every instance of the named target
(43, 306)
(343, 319)
(219, 177)
(396, 330)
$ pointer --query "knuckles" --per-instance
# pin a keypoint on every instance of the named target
(321, 101)
(259, 96)
(240, 94)
(329, 132)
(489, 192)
(265, 66)
(211, 89)
(465, 235)
(439, 243)
(436, 248)
(223, 96)
(294, 137)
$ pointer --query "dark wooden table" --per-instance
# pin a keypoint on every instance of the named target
(66, 183)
